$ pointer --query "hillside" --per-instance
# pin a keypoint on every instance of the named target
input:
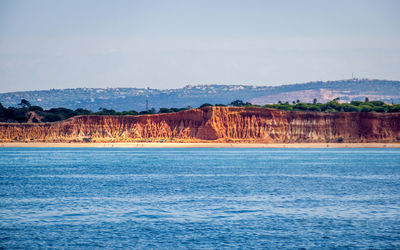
(214, 124)
(135, 99)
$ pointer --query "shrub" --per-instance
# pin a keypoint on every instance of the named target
(356, 103)
(237, 103)
(165, 110)
(379, 109)
(301, 106)
(82, 111)
(314, 108)
(365, 108)
(206, 105)
(350, 108)
(377, 103)
(394, 108)
(35, 108)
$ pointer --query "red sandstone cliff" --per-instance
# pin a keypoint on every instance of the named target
(221, 124)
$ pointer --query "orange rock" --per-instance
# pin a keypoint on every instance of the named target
(214, 124)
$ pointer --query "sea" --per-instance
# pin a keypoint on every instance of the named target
(199, 198)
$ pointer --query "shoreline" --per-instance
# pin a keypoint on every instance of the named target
(196, 145)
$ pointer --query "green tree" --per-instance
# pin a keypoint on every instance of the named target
(35, 108)
(24, 103)
(237, 103)
(350, 108)
(205, 105)
(394, 108)
(3, 112)
(301, 106)
(165, 110)
(314, 108)
(365, 108)
(379, 109)
(104, 111)
(81, 111)
(356, 103)
(377, 103)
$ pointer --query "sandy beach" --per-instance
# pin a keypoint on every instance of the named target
(199, 145)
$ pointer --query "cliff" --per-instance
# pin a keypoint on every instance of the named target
(216, 124)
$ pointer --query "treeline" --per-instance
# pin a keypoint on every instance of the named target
(332, 106)
(26, 112)
(29, 113)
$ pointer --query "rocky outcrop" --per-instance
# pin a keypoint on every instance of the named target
(216, 124)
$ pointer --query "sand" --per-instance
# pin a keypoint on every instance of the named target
(199, 145)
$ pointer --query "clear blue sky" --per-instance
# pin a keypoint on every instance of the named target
(168, 44)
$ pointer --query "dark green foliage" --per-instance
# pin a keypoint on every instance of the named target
(148, 112)
(301, 106)
(206, 105)
(35, 108)
(24, 103)
(81, 111)
(237, 103)
(144, 112)
(240, 103)
(20, 118)
(12, 114)
(165, 110)
(350, 108)
(220, 105)
(2, 110)
(61, 113)
(171, 110)
(365, 108)
(394, 108)
(314, 108)
(104, 111)
(335, 106)
(356, 103)
(380, 109)
(131, 112)
(376, 103)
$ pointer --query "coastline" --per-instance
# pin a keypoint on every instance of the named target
(196, 145)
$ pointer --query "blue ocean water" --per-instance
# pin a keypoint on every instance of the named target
(199, 198)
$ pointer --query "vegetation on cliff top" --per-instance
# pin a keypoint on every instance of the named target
(28, 113)
(336, 106)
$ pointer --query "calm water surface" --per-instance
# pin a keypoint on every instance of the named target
(199, 198)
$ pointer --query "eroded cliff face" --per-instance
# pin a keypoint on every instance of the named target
(214, 124)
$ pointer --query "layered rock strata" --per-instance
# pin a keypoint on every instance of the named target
(214, 124)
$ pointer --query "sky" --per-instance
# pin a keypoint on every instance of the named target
(47, 44)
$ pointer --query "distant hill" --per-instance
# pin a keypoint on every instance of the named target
(135, 98)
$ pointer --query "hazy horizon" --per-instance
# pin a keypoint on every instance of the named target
(169, 44)
(181, 87)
